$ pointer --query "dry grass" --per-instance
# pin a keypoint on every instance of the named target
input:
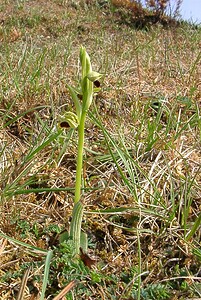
(148, 115)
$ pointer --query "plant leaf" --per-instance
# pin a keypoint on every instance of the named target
(76, 102)
(46, 273)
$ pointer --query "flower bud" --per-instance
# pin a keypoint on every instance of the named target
(71, 118)
(93, 76)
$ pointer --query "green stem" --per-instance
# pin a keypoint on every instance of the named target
(76, 222)
(78, 182)
(88, 77)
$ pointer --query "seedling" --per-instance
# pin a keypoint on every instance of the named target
(82, 98)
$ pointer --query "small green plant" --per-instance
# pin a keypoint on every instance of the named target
(85, 92)
(155, 291)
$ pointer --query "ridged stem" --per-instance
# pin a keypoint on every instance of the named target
(78, 182)
(76, 223)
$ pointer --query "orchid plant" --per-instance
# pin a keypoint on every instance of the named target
(82, 98)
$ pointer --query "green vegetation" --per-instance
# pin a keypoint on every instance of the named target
(131, 163)
(85, 92)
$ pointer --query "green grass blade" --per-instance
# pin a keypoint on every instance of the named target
(39, 148)
(152, 211)
(46, 273)
(30, 247)
(194, 228)
(24, 113)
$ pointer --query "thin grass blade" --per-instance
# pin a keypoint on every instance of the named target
(46, 273)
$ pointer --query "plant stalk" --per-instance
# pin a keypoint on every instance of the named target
(88, 77)
(78, 182)
(76, 222)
